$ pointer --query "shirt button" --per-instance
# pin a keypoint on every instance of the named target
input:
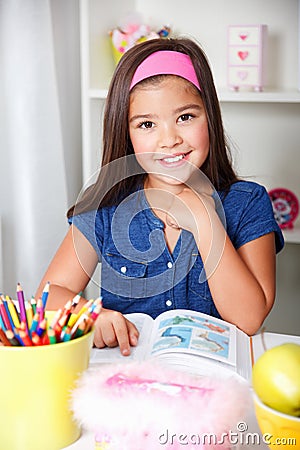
(123, 269)
(170, 265)
(168, 302)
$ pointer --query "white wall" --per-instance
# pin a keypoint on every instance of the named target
(208, 20)
(65, 20)
(46, 225)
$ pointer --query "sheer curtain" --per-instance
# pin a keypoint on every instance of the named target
(33, 193)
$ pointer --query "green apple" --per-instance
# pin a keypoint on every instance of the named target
(276, 378)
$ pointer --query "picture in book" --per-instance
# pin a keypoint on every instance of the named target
(191, 333)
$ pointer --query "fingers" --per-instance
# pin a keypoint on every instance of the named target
(112, 329)
(171, 221)
(133, 333)
(181, 212)
(126, 336)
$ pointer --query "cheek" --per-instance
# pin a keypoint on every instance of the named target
(201, 135)
(138, 147)
(143, 151)
(201, 142)
(141, 142)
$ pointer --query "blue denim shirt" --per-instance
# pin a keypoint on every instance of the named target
(139, 274)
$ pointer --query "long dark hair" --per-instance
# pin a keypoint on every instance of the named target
(116, 140)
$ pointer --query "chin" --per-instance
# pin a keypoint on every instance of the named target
(171, 180)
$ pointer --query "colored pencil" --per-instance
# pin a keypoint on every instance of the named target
(66, 334)
(45, 294)
(80, 318)
(2, 323)
(75, 301)
(79, 331)
(89, 325)
(21, 300)
(29, 313)
(95, 313)
(56, 318)
(36, 339)
(40, 309)
(41, 329)
(12, 338)
(51, 335)
(66, 314)
(4, 315)
(12, 325)
(13, 311)
(71, 319)
(22, 326)
(33, 304)
(25, 338)
(35, 323)
(4, 339)
(85, 307)
(83, 310)
(58, 330)
(45, 339)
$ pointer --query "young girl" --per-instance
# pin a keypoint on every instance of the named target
(168, 235)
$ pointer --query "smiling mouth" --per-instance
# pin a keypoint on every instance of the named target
(176, 158)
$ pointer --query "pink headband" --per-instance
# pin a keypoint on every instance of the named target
(165, 62)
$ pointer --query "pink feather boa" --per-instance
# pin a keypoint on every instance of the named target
(146, 406)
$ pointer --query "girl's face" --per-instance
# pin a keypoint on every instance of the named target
(168, 130)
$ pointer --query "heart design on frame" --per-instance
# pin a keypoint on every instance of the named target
(242, 75)
(243, 36)
(243, 55)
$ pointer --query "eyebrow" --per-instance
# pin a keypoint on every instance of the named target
(188, 106)
(176, 111)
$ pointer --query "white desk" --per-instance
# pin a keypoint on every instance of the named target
(87, 442)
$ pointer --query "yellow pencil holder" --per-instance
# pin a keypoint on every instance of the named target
(35, 391)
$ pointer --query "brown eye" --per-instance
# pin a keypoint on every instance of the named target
(185, 117)
(147, 124)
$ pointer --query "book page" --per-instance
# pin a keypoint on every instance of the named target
(244, 354)
(193, 333)
(268, 340)
(144, 323)
(256, 344)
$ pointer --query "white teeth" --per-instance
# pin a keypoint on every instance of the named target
(175, 159)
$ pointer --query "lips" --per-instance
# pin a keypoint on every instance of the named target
(175, 158)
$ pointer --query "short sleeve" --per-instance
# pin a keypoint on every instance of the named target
(89, 224)
(253, 216)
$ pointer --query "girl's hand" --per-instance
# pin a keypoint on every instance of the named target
(113, 329)
(186, 209)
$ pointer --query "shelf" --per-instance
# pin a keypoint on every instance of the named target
(291, 96)
(292, 236)
(284, 96)
(98, 94)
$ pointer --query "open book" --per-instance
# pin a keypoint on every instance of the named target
(195, 342)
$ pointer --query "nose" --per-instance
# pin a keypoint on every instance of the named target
(169, 137)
